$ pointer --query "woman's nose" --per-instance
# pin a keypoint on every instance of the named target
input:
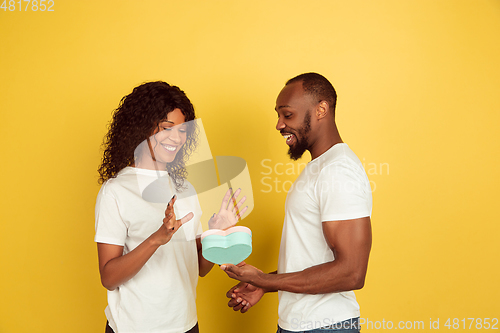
(174, 135)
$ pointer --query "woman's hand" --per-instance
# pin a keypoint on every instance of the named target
(228, 214)
(117, 268)
(170, 223)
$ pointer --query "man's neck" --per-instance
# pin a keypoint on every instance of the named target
(329, 139)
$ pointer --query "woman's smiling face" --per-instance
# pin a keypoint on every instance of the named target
(164, 143)
(168, 138)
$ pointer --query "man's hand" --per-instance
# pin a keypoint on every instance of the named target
(243, 296)
(243, 272)
(228, 214)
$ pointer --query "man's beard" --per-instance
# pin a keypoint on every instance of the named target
(297, 150)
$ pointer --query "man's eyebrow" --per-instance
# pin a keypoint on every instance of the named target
(281, 107)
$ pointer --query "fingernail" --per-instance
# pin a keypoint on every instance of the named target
(223, 267)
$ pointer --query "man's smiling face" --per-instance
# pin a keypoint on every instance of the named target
(294, 118)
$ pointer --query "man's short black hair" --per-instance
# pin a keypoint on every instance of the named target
(319, 87)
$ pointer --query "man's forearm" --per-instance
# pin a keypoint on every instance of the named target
(321, 279)
(271, 290)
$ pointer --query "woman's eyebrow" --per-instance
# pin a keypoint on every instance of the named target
(171, 122)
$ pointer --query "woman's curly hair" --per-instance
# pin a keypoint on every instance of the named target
(137, 116)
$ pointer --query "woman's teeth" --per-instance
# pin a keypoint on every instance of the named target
(169, 148)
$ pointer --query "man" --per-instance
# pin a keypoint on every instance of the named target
(326, 237)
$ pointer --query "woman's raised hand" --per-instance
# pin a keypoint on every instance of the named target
(170, 223)
(228, 214)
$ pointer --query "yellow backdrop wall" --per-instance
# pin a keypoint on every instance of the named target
(418, 85)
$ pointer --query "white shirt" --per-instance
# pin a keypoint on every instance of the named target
(161, 296)
(332, 187)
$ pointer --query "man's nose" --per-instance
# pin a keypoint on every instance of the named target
(280, 124)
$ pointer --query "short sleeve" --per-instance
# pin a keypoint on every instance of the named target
(109, 226)
(343, 192)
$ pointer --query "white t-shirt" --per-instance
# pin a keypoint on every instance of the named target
(161, 296)
(332, 187)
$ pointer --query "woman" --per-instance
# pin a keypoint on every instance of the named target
(147, 261)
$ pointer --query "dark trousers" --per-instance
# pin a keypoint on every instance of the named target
(193, 330)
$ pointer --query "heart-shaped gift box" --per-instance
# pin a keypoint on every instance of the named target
(230, 246)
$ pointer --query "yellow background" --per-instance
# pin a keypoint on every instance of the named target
(418, 85)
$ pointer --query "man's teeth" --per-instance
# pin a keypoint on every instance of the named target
(287, 137)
